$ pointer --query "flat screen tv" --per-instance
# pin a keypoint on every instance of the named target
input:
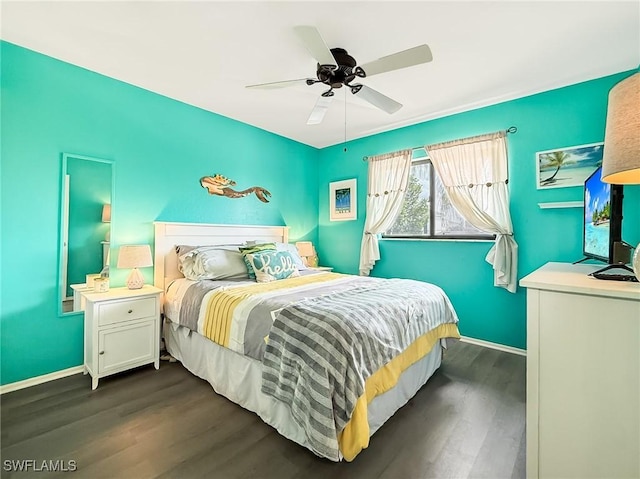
(602, 226)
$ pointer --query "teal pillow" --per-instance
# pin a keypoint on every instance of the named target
(273, 265)
(256, 248)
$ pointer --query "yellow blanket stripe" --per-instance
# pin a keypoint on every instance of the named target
(221, 305)
(355, 436)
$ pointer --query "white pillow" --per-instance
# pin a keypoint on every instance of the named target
(213, 262)
(291, 248)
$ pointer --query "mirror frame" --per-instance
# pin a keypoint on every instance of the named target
(61, 220)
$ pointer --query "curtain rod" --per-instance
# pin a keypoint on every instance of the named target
(511, 129)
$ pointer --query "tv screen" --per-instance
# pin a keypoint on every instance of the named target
(602, 217)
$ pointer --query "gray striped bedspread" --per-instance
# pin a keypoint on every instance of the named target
(322, 350)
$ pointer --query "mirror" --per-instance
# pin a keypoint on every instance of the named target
(85, 226)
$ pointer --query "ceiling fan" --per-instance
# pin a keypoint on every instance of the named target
(336, 68)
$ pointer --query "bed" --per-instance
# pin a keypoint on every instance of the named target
(324, 358)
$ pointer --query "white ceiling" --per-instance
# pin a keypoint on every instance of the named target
(204, 53)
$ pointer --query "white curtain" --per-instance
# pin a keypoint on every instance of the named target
(388, 178)
(474, 174)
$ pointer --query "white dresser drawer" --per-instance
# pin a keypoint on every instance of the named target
(126, 310)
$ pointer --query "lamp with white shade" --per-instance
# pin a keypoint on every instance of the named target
(135, 256)
(621, 154)
(307, 252)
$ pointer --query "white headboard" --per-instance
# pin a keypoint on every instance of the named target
(168, 235)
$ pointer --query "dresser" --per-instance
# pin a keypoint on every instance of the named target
(121, 330)
(583, 374)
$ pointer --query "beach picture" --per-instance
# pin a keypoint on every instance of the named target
(597, 212)
(569, 166)
(342, 200)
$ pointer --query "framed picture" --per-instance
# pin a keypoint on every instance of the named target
(568, 166)
(343, 200)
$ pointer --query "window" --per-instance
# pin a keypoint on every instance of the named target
(427, 212)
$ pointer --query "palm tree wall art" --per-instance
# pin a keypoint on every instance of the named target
(570, 166)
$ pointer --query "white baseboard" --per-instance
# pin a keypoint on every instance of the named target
(7, 388)
(499, 347)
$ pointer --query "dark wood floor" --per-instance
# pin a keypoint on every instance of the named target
(467, 421)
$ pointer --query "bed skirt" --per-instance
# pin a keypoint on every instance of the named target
(239, 379)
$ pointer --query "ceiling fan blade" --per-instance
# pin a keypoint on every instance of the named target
(312, 39)
(277, 84)
(317, 114)
(396, 61)
(379, 100)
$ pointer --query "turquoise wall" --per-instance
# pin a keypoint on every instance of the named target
(160, 148)
(569, 116)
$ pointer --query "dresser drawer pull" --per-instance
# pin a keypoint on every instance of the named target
(101, 352)
(130, 311)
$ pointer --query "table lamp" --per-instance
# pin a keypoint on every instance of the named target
(307, 252)
(135, 256)
(621, 154)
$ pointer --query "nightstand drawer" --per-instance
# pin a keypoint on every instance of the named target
(127, 310)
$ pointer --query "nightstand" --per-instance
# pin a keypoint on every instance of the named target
(321, 268)
(121, 330)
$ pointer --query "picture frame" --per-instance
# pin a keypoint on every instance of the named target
(568, 166)
(343, 200)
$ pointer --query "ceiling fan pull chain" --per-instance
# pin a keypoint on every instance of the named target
(345, 120)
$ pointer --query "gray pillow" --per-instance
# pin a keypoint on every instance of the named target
(184, 248)
(212, 262)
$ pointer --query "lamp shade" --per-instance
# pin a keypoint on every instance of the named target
(106, 213)
(621, 154)
(305, 248)
(135, 256)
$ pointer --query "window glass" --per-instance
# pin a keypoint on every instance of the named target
(448, 222)
(427, 211)
(414, 217)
